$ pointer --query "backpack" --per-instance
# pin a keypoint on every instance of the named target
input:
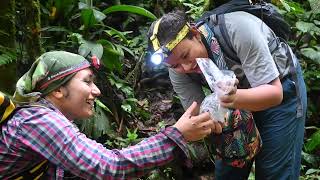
(265, 11)
(7, 109)
(269, 15)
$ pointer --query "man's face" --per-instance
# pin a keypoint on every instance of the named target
(79, 95)
(183, 56)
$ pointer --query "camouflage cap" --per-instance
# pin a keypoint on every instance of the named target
(48, 72)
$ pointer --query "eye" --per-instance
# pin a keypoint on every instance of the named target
(185, 56)
(87, 81)
(174, 66)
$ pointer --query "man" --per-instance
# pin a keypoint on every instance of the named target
(267, 87)
(58, 88)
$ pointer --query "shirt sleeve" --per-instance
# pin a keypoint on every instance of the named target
(249, 37)
(187, 89)
(58, 140)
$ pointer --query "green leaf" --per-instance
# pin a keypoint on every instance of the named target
(315, 6)
(5, 59)
(285, 5)
(111, 57)
(307, 27)
(99, 16)
(131, 136)
(127, 50)
(113, 32)
(312, 53)
(89, 47)
(126, 107)
(312, 171)
(77, 37)
(127, 90)
(132, 100)
(64, 6)
(7, 55)
(88, 18)
(99, 103)
(132, 9)
(82, 5)
(314, 142)
(97, 125)
(310, 158)
(118, 85)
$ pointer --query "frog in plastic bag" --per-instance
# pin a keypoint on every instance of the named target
(240, 140)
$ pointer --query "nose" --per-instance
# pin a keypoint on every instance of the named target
(187, 65)
(95, 90)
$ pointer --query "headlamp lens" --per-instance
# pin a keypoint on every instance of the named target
(157, 57)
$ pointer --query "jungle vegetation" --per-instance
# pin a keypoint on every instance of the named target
(137, 98)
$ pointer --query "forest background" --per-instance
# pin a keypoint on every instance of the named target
(137, 98)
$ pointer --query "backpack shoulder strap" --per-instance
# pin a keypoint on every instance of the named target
(217, 22)
(6, 107)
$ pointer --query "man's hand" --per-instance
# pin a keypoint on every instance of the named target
(194, 128)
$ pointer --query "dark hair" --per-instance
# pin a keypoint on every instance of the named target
(169, 27)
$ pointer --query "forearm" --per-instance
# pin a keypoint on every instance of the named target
(91, 160)
(63, 145)
(259, 98)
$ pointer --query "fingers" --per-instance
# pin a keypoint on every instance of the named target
(203, 117)
(233, 90)
(236, 82)
(191, 110)
(214, 126)
(217, 128)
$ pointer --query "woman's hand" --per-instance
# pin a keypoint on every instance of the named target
(194, 128)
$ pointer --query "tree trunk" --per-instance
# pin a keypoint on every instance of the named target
(30, 27)
(7, 39)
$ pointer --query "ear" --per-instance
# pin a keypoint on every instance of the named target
(58, 93)
(195, 32)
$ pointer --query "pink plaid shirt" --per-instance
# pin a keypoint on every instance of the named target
(34, 134)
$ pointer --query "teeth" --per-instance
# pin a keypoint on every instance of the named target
(91, 103)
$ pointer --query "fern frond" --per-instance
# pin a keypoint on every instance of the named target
(7, 55)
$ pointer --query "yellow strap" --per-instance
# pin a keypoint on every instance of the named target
(38, 166)
(39, 176)
(19, 178)
(8, 109)
(153, 38)
(1, 98)
(182, 33)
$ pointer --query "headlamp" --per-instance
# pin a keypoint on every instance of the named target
(157, 57)
(162, 52)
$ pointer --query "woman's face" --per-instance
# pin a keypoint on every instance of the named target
(79, 95)
(183, 56)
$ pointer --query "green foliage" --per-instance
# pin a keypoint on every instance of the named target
(119, 142)
(7, 55)
(314, 142)
(195, 8)
(313, 53)
(304, 18)
(99, 124)
(130, 9)
(131, 136)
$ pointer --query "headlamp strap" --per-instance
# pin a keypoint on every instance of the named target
(156, 44)
(153, 38)
(182, 33)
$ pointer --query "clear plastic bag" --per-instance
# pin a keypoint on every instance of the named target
(221, 83)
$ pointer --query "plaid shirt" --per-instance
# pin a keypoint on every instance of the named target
(34, 134)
